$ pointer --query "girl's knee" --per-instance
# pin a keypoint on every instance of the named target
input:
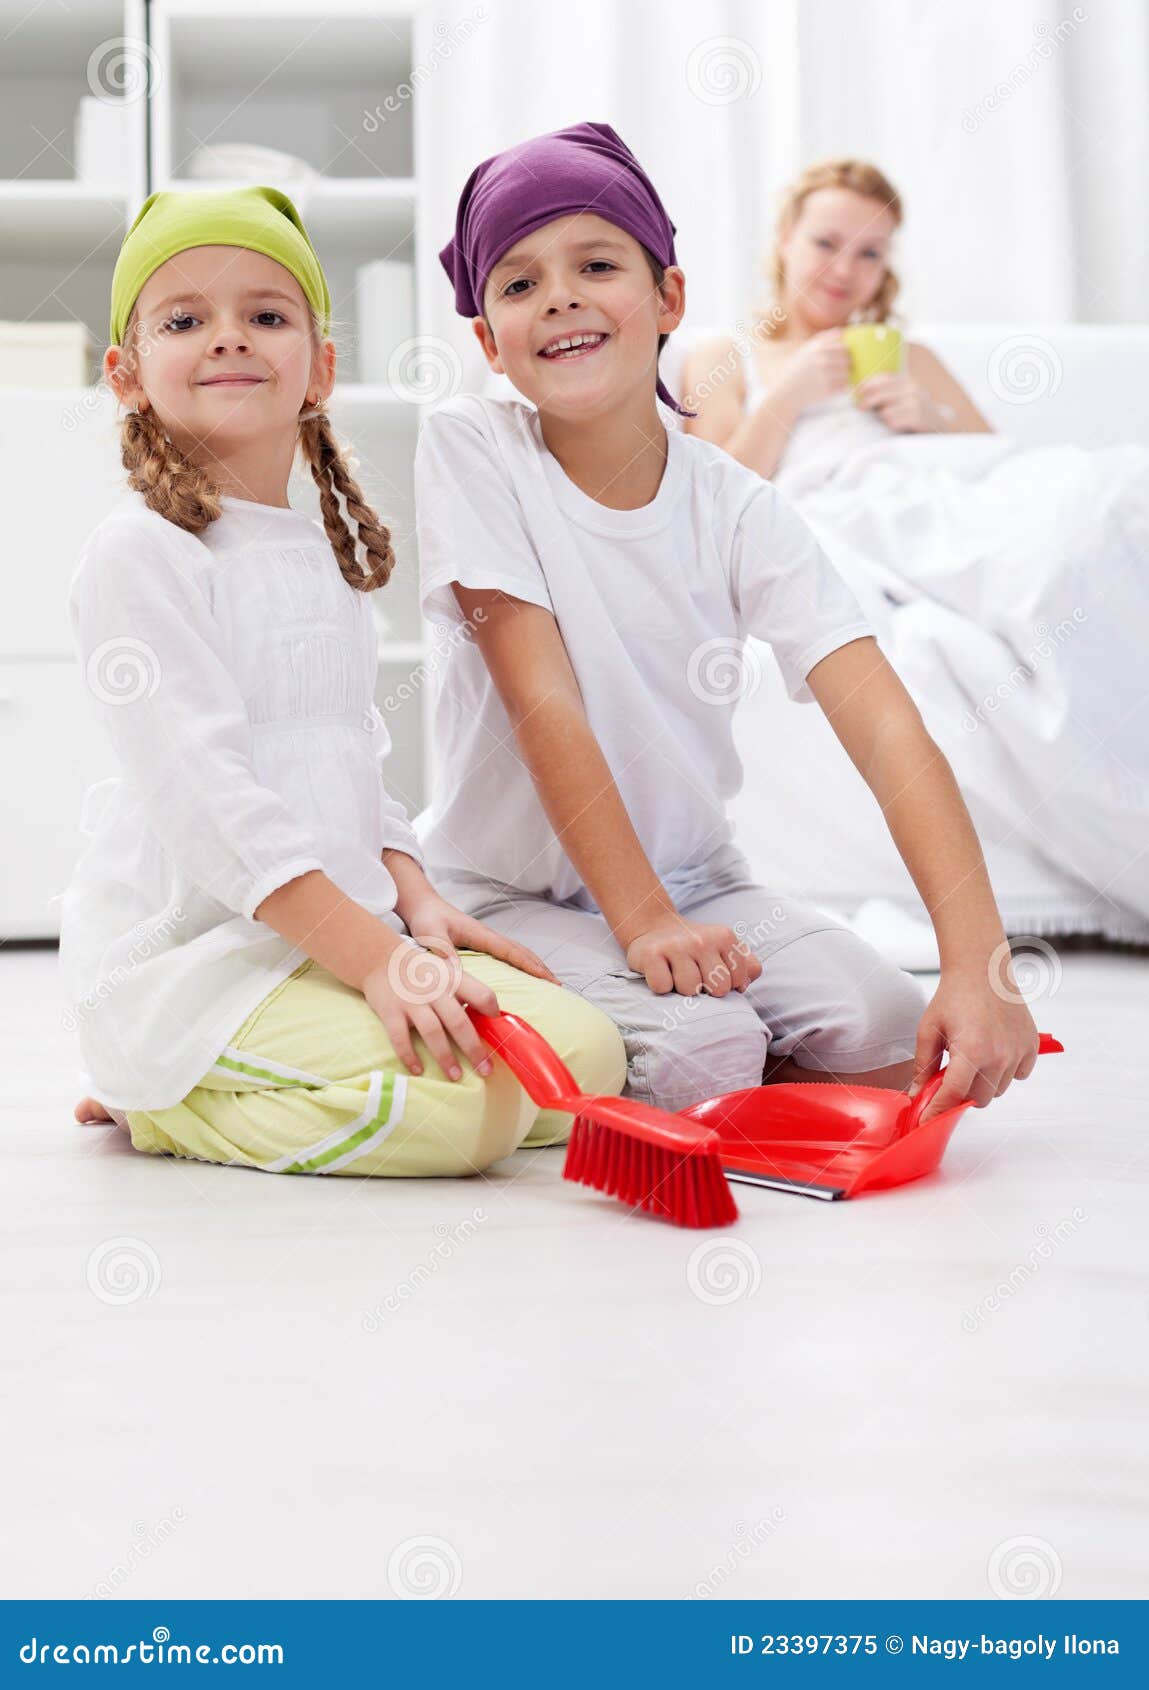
(455, 1128)
(584, 1036)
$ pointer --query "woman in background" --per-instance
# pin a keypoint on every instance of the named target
(786, 386)
(1005, 581)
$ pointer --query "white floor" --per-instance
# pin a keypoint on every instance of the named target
(507, 1387)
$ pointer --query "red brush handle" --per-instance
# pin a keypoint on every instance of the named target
(547, 1081)
(1046, 1046)
(539, 1069)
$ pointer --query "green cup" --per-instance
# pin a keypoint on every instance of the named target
(873, 348)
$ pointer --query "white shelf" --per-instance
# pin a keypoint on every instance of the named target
(39, 39)
(374, 214)
(354, 11)
(318, 41)
(59, 219)
(309, 78)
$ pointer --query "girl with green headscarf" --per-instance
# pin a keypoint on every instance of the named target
(257, 965)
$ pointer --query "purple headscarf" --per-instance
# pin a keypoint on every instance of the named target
(584, 168)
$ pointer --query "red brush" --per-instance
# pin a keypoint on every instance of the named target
(645, 1157)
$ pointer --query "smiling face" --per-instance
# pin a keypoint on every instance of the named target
(222, 344)
(835, 256)
(573, 316)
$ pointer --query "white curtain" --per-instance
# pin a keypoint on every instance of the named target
(1017, 134)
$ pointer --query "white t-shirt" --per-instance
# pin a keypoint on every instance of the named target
(653, 606)
(234, 672)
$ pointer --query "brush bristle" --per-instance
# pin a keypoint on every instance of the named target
(689, 1190)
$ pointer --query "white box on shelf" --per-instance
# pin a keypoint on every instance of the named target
(103, 141)
(385, 307)
(43, 354)
(246, 161)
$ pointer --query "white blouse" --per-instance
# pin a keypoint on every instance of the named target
(235, 673)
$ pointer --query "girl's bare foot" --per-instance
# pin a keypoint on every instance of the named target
(90, 1109)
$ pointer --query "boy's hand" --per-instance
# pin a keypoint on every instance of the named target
(990, 1035)
(677, 955)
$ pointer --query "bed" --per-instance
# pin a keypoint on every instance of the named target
(806, 818)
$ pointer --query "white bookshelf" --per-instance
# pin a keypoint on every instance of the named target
(307, 78)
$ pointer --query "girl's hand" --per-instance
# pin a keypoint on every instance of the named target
(416, 991)
(422, 986)
(689, 956)
(432, 921)
(902, 403)
(992, 1040)
(819, 369)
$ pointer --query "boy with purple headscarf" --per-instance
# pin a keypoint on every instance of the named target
(599, 573)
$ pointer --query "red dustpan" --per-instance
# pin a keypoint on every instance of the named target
(829, 1140)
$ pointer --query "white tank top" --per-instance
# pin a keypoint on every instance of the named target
(823, 435)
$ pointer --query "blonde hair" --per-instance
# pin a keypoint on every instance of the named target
(185, 494)
(860, 178)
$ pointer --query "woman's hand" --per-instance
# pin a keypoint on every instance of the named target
(683, 956)
(992, 1040)
(819, 369)
(902, 403)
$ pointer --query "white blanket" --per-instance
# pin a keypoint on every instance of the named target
(1009, 585)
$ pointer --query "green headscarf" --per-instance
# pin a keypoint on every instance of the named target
(261, 219)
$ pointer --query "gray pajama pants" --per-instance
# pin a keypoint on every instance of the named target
(825, 997)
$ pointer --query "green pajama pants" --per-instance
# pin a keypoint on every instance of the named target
(311, 1084)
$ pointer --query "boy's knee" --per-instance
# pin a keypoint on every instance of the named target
(704, 1046)
(874, 1021)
